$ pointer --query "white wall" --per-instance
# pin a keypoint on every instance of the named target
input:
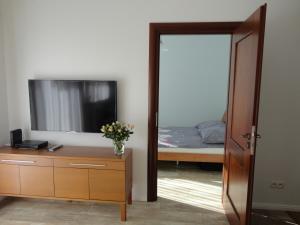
(193, 78)
(278, 153)
(3, 98)
(108, 39)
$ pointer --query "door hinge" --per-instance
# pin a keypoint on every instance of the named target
(156, 119)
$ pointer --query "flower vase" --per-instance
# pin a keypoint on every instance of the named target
(119, 148)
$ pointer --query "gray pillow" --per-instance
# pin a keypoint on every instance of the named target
(207, 124)
(213, 134)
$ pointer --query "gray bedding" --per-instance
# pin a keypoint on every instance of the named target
(182, 137)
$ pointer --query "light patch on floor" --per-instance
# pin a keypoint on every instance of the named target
(191, 185)
(191, 193)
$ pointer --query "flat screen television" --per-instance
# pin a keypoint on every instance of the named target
(72, 105)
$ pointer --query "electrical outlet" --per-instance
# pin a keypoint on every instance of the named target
(273, 185)
(280, 184)
(277, 185)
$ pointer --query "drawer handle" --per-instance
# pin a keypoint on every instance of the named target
(84, 164)
(17, 161)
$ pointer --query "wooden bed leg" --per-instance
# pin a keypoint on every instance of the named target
(123, 211)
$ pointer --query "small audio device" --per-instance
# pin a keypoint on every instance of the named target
(15, 137)
(16, 141)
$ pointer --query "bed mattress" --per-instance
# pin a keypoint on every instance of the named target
(185, 139)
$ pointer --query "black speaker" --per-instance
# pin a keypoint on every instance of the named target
(16, 137)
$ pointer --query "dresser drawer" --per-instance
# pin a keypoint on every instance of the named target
(89, 164)
(25, 160)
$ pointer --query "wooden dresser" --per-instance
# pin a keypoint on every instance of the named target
(70, 173)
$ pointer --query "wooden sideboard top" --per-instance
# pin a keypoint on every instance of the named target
(104, 153)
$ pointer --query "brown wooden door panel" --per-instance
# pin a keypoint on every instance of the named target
(37, 181)
(237, 190)
(71, 183)
(234, 178)
(9, 179)
(243, 93)
(244, 89)
(107, 185)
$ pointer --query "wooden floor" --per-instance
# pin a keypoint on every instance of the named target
(271, 217)
(180, 203)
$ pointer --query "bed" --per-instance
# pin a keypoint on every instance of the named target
(187, 144)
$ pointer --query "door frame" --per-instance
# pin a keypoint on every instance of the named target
(157, 29)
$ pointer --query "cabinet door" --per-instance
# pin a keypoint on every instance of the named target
(37, 181)
(71, 183)
(9, 179)
(107, 185)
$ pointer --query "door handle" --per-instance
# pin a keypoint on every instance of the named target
(250, 138)
(247, 136)
(258, 136)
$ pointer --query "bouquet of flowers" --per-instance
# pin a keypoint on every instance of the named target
(119, 133)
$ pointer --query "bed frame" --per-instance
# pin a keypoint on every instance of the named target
(190, 157)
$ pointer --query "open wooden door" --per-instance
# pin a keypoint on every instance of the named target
(244, 91)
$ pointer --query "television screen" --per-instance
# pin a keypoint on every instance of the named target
(65, 105)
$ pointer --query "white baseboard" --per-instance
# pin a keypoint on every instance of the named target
(275, 206)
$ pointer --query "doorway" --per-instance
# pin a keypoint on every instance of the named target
(156, 30)
(193, 90)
